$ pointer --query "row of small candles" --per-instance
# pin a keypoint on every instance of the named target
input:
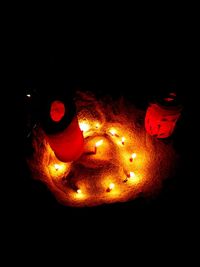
(130, 175)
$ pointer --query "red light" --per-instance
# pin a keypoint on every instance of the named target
(57, 111)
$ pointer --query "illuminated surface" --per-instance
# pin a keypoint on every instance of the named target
(120, 160)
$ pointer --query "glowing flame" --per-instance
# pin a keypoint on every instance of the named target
(133, 156)
(113, 132)
(111, 186)
(57, 167)
(131, 174)
(97, 125)
(123, 139)
(84, 126)
(78, 191)
(99, 143)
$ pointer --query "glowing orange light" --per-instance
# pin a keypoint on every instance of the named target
(131, 174)
(111, 186)
(112, 132)
(97, 125)
(99, 143)
(133, 156)
(57, 167)
(123, 139)
(84, 126)
(78, 191)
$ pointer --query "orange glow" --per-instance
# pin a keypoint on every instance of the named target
(84, 126)
(133, 156)
(111, 186)
(127, 161)
(99, 143)
(131, 174)
(113, 132)
(57, 167)
(123, 140)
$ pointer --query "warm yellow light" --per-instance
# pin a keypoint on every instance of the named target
(131, 174)
(84, 126)
(111, 186)
(133, 156)
(57, 167)
(112, 132)
(99, 143)
(123, 139)
(97, 125)
(78, 191)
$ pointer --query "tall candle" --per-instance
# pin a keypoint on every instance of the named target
(62, 130)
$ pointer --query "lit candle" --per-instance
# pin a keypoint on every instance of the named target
(133, 156)
(68, 142)
(97, 125)
(111, 186)
(130, 175)
(99, 143)
(78, 191)
(123, 139)
(57, 167)
(84, 126)
(113, 132)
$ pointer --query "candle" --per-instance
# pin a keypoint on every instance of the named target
(111, 186)
(113, 132)
(133, 156)
(84, 126)
(97, 125)
(123, 139)
(161, 116)
(57, 167)
(129, 175)
(62, 130)
(78, 191)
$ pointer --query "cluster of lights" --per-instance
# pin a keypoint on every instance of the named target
(86, 127)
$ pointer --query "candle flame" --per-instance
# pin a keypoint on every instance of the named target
(123, 139)
(97, 125)
(112, 132)
(111, 186)
(57, 167)
(78, 191)
(131, 174)
(99, 143)
(134, 155)
(84, 126)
